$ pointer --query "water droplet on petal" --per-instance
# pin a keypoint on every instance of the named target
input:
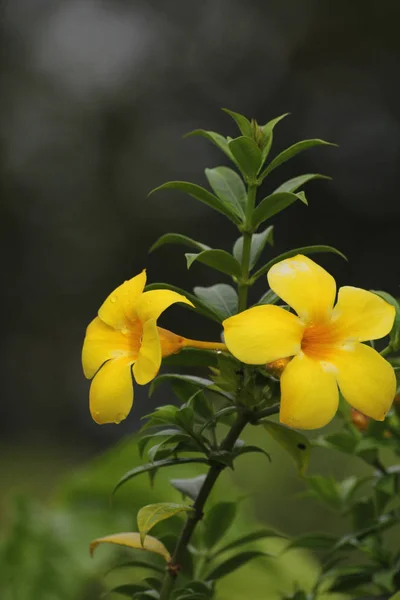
(219, 351)
(97, 413)
(120, 417)
(113, 299)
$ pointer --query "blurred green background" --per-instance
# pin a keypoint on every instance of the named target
(96, 96)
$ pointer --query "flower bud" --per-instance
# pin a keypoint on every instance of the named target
(359, 420)
(278, 366)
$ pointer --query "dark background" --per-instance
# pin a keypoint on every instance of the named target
(96, 96)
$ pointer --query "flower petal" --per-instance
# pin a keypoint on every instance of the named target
(102, 343)
(148, 362)
(263, 334)
(366, 380)
(111, 392)
(310, 396)
(363, 315)
(152, 304)
(305, 286)
(119, 308)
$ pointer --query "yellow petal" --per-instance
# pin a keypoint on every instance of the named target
(148, 362)
(111, 392)
(119, 308)
(132, 540)
(309, 394)
(263, 334)
(363, 315)
(152, 304)
(170, 342)
(305, 286)
(366, 380)
(102, 343)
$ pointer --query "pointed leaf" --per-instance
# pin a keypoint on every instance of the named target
(273, 204)
(292, 185)
(177, 238)
(296, 444)
(221, 298)
(242, 122)
(198, 383)
(268, 298)
(167, 462)
(268, 131)
(132, 540)
(201, 194)
(313, 541)
(234, 563)
(291, 152)
(189, 487)
(248, 539)
(192, 357)
(229, 187)
(200, 307)
(258, 242)
(217, 522)
(247, 155)
(215, 138)
(304, 250)
(150, 515)
(218, 260)
(127, 589)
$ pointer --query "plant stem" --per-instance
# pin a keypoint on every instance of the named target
(246, 251)
(204, 345)
(197, 515)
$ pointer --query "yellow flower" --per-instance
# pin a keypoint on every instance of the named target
(125, 333)
(323, 339)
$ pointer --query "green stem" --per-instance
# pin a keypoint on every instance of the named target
(244, 283)
(386, 350)
(197, 515)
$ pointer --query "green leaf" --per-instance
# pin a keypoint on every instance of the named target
(395, 333)
(240, 450)
(258, 242)
(150, 515)
(248, 156)
(292, 185)
(218, 260)
(215, 138)
(248, 539)
(200, 307)
(273, 204)
(198, 383)
(234, 563)
(229, 187)
(353, 579)
(192, 357)
(291, 152)
(326, 490)
(127, 589)
(304, 250)
(395, 597)
(139, 563)
(168, 462)
(268, 131)
(221, 298)
(217, 522)
(344, 441)
(201, 194)
(268, 298)
(242, 122)
(189, 487)
(313, 541)
(177, 238)
(296, 444)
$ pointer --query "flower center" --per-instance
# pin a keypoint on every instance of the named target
(321, 340)
(134, 336)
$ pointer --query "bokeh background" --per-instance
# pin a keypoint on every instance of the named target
(95, 98)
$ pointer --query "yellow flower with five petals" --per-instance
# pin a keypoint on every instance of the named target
(324, 340)
(125, 333)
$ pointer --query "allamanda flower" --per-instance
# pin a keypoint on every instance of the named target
(125, 333)
(324, 341)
